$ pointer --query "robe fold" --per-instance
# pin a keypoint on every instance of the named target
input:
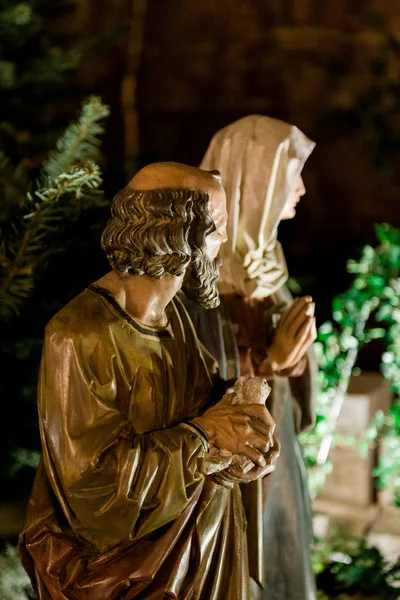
(237, 334)
(119, 508)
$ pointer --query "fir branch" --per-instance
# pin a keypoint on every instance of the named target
(71, 176)
(7, 75)
(80, 141)
(14, 184)
(21, 256)
(53, 67)
(17, 16)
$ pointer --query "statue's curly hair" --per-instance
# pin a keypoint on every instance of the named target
(157, 232)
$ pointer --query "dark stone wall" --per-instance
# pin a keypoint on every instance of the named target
(207, 63)
(204, 63)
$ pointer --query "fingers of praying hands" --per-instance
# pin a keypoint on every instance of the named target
(295, 333)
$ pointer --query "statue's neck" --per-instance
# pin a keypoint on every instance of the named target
(143, 297)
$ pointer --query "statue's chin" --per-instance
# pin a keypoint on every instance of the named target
(289, 214)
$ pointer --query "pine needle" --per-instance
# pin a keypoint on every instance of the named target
(80, 141)
(69, 182)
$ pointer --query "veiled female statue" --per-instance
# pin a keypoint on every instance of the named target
(259, 329)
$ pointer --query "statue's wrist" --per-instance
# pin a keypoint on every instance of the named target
(196, 428)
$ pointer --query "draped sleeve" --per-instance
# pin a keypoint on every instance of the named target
(112, 483)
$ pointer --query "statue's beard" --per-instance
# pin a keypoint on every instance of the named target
(200, 283)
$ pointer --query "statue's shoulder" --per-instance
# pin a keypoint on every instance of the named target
(84, 315)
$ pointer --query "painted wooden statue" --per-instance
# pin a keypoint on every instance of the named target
(129, 415)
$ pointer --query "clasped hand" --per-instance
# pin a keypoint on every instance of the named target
(295, 333)
(242, 430)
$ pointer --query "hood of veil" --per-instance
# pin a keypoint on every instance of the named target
(260, 160)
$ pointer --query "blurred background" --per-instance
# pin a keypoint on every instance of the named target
(171, 73)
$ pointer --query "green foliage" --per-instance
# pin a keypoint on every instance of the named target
(21, 458)
(14, 582)
(51, 208)
(69, 182)
(386, 427)
(369, 310)
(80, 141)
(34, 63)
(44, 224)
(350, 568)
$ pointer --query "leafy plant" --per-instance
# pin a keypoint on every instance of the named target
(369, 310)
(350, 568)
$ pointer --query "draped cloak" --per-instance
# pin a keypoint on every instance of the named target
(119, 509)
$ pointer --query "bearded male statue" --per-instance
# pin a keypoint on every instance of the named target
(129, 409)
